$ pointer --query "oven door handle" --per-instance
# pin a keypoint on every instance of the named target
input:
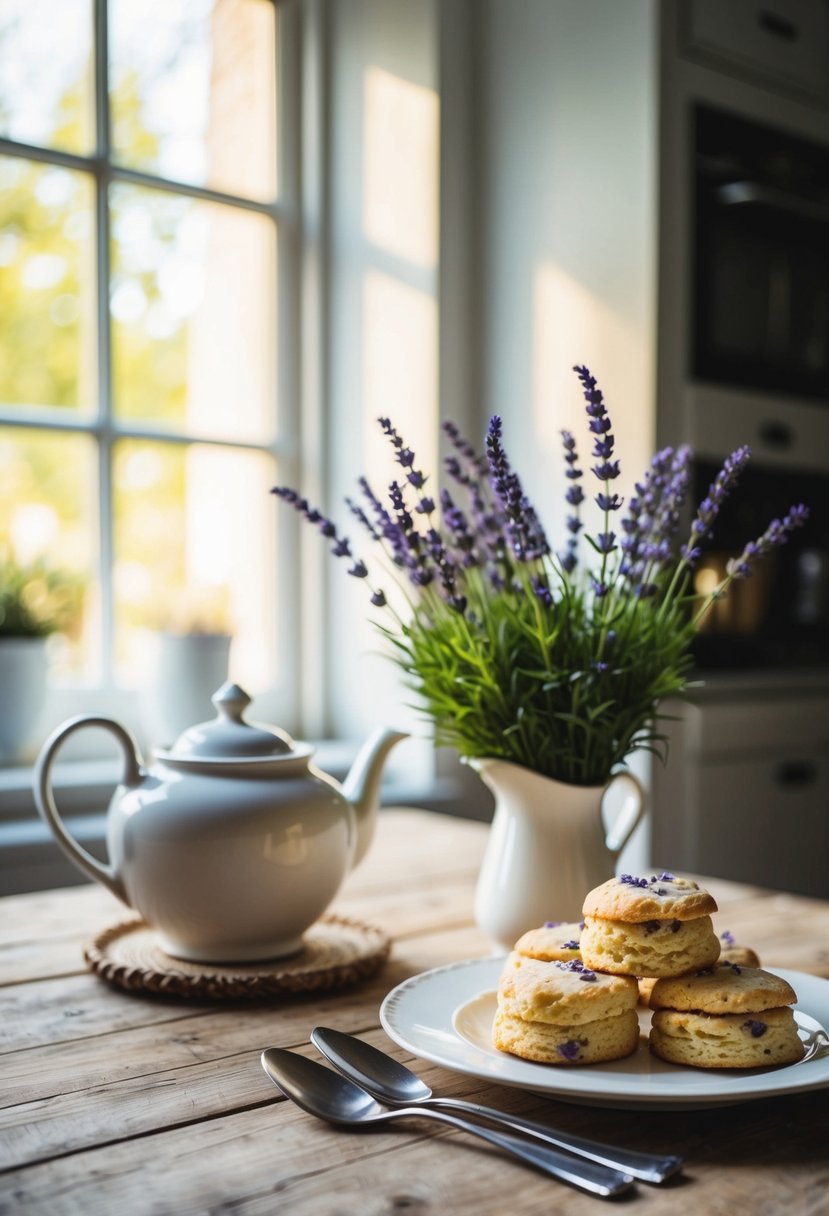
(752, 194)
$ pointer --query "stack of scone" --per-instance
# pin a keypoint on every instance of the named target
(650, 927)
(568, 992)
(564, 1013)
(725, 1017)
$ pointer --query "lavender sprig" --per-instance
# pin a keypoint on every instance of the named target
(341, 546)
(605, 470)
(709, 508)
(574, 496)
(524, 531)
(776, 534)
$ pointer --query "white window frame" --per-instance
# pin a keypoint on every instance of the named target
(106, 429)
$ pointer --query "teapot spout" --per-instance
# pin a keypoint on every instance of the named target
(362, 785)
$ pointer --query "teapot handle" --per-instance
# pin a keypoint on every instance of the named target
(46, 803)
(630, 815)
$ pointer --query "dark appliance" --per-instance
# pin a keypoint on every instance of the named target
(761, 257)
(780, 616)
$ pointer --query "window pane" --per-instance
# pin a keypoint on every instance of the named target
(47, 83)
(194, 536)
(193, 91)
(48, 504)
(192, 299)
(47, 321)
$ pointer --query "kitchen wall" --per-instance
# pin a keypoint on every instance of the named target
(568, 232)
(568, 236)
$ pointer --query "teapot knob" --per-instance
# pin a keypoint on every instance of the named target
(231, 701)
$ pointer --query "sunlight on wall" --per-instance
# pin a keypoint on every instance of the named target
(385, 337)
(400, 379)
(570, 324)
(400, 167)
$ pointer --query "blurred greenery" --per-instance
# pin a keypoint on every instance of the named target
(37, 600)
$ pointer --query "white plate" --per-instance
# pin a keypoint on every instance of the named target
(446, 1015)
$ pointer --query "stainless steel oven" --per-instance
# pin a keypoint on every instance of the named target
(761, 257)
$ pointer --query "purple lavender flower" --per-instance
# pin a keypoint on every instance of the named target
(341, 546)
(488, 523)
(777, 533)
(577, 966)
(728, 938)
(630, 880)
(607, 469)
(409, 542)
(755, 1028)
(526, 536)
(541, 587)
(608, 502)
(390, 531)
(571, 1050)
(463, 539)
(574, 496)
(653, 513)
(718, 491)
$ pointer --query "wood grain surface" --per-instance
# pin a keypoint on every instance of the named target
(115, 1102)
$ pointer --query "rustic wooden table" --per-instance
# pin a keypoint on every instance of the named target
(122, 1103)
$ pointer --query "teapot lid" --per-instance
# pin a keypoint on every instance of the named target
(229, 737)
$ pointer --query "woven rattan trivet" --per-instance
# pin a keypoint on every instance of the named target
(337, 952)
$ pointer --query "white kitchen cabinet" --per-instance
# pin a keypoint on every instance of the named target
(745, 793)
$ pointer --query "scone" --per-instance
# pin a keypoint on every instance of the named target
(725, 1017)
(563, 1013)
(556, 941)
(730, 952)
(649, 927)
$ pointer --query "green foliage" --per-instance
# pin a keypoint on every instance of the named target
(37, 600)
(525, 682)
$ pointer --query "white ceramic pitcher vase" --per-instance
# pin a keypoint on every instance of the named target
(548, 846)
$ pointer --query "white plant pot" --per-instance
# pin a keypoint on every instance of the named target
(23, 664)
(189, 668)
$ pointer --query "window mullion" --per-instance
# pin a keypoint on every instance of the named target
(104, 428)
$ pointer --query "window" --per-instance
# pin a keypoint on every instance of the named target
(145, 241)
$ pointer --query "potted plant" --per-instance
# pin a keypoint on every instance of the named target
(36, 601)
(545, 670)
(191, 657)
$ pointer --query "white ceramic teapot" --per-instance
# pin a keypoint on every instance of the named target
(232, 844)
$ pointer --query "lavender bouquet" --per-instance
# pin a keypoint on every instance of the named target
(554, 661)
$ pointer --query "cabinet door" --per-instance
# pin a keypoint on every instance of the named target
(764, 819)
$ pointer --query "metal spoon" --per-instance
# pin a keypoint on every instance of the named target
(392, 1083)
(329, 1096)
